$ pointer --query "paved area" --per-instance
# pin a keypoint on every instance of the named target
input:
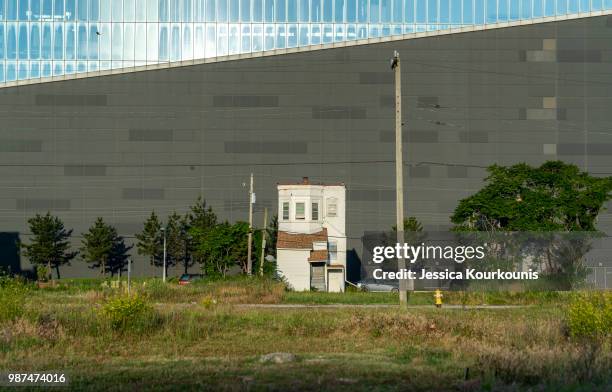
(298, 306)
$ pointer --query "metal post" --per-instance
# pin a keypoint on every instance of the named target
(129, 275)
(250, 249)
(263, 242)
(164, 273)
(404, 284)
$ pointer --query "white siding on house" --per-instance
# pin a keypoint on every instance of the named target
(294, 266)
(319, 245)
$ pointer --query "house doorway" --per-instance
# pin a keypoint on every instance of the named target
(317, 276)
(335, 277)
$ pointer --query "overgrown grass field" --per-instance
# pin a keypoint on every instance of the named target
(200, 337)
(242, 290)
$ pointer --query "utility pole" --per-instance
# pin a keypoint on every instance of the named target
(250, 249)
(405, 285)
(263, 241)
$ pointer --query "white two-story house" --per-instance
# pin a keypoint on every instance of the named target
(311, 245)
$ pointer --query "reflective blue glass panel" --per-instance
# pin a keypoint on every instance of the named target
(44, 38)
(245, 11)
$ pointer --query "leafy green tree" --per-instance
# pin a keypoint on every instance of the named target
(563, 261)
(221, 247)
(103, 248)
(553, 197)
(50, 244)
(150, 241)
(544, 201)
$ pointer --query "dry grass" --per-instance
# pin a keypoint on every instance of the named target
(45, 330)
(394, 325)
(237, 293)
(203, 341)
(363, 347)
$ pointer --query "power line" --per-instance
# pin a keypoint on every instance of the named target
(261, 164)
(247, 164)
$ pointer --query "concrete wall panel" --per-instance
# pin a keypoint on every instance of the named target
(121, 146)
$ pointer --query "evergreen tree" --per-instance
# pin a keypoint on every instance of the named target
(411, 225)
(98, 245)
(188, 259)
(49, 245)
(150, 241)
(413, 232)
(104, 248)
(177, 245)
(119, 256)
(413, 235)
(200, 218)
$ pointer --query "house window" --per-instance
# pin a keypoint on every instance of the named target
(333, 250)
(332, 208)
(286, 210)
(315, 211)
(300, 211)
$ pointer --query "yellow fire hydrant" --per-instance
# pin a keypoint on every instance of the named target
(438, 298)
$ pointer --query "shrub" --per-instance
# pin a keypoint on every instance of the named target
(589, 324)
(130, 313)
(42, 273)
(589, 316)
(208, 301)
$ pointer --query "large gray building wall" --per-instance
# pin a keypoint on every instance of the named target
(121, 146)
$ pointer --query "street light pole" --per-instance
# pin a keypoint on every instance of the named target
(404, 284)
(163, 229)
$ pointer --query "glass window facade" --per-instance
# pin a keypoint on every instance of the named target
(43, 38)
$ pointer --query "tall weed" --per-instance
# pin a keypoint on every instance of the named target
(130, 313)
